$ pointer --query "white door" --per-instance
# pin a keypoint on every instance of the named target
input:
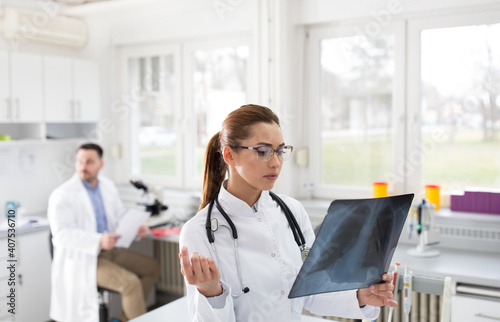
(4, 87)
(26, 82)
(86, 86)
(58, 82)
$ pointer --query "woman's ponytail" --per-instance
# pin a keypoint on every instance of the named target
(214, 171)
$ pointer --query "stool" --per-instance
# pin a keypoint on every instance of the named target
(104, 303)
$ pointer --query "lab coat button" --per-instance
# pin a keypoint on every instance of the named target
(260, 219)
(282, 292)
(273, 255)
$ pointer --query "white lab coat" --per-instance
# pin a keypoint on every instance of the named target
(270, 260)
(76, 247)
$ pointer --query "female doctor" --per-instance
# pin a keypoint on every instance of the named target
(247, 276)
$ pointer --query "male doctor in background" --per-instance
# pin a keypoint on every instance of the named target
(81, 212)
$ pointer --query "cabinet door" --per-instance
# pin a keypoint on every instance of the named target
(4, 87)
(33, 293)
(471, 309)
(5, 315)
(59, 103)
(87, 94)
(26, 87)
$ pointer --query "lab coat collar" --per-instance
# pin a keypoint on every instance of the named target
(232, 205)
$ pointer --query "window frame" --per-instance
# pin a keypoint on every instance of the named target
(132, 162)
(192, 180)
(185, 173)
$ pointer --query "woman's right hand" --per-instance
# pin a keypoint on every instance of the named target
(201, 272)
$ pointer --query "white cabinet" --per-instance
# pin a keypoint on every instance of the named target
(4, 87)
(86, 87)
(52, 97)
(34, 264)
(32, 276)
(59, 105)
(4, 279)
(71, 90)
(21, 87)
(474, 309)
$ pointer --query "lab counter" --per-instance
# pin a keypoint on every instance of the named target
(475, 268)
(25, 225)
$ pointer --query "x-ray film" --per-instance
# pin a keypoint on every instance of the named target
(354, 246)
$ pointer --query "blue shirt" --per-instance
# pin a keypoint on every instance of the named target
(98, 205)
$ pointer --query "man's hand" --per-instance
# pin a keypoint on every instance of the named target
(108, 241)
(143, 231)
(379, 294)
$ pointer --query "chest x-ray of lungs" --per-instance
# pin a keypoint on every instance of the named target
(354, 246)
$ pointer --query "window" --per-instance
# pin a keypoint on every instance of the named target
(219, 80)
(413, 105)
(152, 87)
(356, 93)
(460, 106)
(453, 102)
(171, 121)
(156, 132)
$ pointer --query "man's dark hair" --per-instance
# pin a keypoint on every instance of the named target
(92, 146)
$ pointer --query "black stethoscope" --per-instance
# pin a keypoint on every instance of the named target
(212, 225)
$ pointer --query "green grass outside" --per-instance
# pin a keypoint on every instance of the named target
(468, 161)
(355, 161)
(158, 160)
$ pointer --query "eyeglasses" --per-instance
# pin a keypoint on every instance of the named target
(265, 153)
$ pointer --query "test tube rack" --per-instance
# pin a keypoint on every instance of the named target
(423, 216)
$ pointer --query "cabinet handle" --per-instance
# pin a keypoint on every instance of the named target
(79, 109)
(7, 108)
(17, 108)
(481, 315)
(72, 107)
(20, 279)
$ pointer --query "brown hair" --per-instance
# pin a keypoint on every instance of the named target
(92, 146)
(235, 128)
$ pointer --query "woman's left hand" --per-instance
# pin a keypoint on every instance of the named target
(378, 294)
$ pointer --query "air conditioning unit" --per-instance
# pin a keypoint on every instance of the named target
(40, 26)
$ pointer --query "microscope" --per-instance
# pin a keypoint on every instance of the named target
(154, 208)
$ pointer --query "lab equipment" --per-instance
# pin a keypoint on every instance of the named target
(422, 222)
(155, 207)
(212, 226)
(407, 289)
(395, 282)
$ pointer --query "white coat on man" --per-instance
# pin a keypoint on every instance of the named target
(76, 241)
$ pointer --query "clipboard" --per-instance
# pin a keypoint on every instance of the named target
(354, 246)
(129, 226)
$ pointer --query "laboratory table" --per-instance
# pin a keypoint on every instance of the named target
(475, 268)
